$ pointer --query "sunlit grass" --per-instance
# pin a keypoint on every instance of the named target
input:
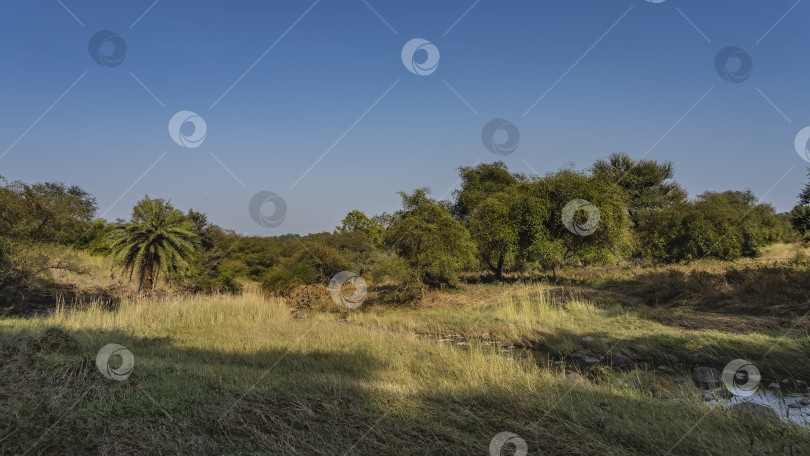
(533, 316)
(239, 375)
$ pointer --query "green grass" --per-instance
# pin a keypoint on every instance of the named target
(556, 320)
(238, 375)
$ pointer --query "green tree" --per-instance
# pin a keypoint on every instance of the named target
(800, 215)
(709, 228)
(206, 232)
(800, 219)
(648, 184)
(356, 221)
(45, 212)
(804, 195)
(432, 242)
(506, 225)
(611, 238)
(215, 266)
(726, 225)
(479, 183)
(34, 220)
(316, 263)
(657, 233)
(159, 239)
(229, 275)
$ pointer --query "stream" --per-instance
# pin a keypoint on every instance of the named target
(790, 402)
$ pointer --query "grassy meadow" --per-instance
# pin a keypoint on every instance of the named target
(502, 323)
(242, 375)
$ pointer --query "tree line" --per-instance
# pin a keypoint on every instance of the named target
(498, 222)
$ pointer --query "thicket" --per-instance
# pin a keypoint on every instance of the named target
(498, 222)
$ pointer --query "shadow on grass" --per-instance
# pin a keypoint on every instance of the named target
(776, 358)
(182, 400)
(43, 296)
(755, 290)
(772, 290)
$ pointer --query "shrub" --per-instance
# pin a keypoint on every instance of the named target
(316, 263)
(432, 242)
(726, 225)
(357, 222)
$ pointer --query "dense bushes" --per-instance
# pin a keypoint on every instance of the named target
(498, 222)
(726, 225)
(800, 215)
(647, 184)
(610, 239)
(434, 244)
(524, 223)
(315, 263)
(37, 224)
(45, 212)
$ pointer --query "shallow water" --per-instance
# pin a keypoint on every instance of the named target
(776, 401)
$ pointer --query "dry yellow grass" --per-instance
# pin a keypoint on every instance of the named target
(238, 375)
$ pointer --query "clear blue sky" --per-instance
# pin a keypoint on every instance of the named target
(623, 91)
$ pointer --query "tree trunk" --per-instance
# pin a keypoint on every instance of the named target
(499, 268)
(153, 278)
(147, 280)
(556, 270)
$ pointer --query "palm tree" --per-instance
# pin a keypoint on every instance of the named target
(158, 239)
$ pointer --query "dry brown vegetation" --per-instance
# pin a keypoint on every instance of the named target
(237, 375)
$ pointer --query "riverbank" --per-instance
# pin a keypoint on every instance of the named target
(241, 375)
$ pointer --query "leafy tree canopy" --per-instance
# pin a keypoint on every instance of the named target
(434, 244)
(648, 184)
(158, 240)
(356, 221)
(479, 183)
